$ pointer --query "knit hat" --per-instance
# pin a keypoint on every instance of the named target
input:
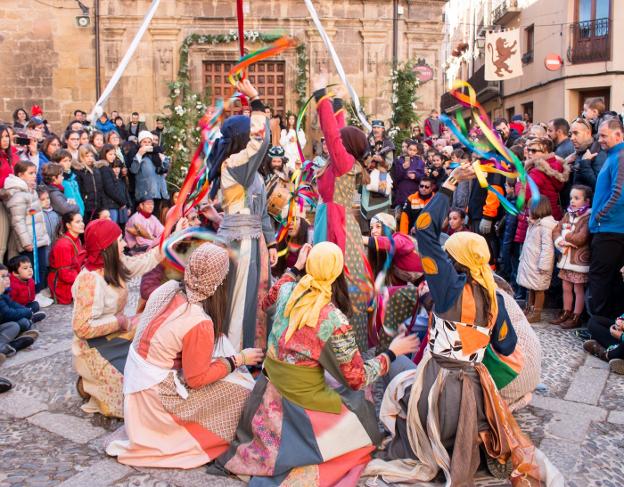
(385, 219)
(36, 111)
(99, 235)
(205, 271)
(276, 151)
(144, 134)
(377, 123)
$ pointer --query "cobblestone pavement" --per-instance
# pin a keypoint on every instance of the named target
(46, 440)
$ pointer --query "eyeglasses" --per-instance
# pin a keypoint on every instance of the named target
(424, 186)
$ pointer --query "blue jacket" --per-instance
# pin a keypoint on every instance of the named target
(564, 149)
(607, 214)
(147, 183)
(43, 161)
(12, 311)
(105, 127)
(72, 190)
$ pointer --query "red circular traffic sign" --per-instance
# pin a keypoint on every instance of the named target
(553, 62)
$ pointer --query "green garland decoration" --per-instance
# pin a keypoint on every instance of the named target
(404, 97)
(185, 108)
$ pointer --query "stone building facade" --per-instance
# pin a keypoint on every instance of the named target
(50, 61)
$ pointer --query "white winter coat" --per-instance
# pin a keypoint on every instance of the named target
(19, 200)
(538, 255)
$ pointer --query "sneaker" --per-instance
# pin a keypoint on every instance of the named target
(34, 334)
(43, 301)
(22, 342)
(617, 366)
(5, 385)
(38, 316)
(8, 351)
(46, 292)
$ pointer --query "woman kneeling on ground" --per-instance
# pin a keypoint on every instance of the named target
(184, 383)
(299, 426)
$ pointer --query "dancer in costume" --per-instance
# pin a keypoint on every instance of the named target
(246, 225)
(440, 413)
(102, 332)
(300, 427)
(183, 384)
(336, 181)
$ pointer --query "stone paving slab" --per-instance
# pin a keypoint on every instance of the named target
(101, 474)
(20, 405)
(587, 385)
(616, 417)
(571, 408)
(78, 430)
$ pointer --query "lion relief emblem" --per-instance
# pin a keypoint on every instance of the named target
(504, 52)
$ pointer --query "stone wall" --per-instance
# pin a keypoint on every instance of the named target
(50, 61)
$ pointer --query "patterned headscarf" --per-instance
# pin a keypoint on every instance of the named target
(471, 250)
(99, 235)
(205, 271)
(313, 292)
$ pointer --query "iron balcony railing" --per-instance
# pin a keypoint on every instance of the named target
(505, 12)
(590, 41)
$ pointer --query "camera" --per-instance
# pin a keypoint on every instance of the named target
(22, 140)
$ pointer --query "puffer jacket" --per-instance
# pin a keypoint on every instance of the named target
(91, 187)
(575, 230)
(20, 200)
(538, 255)
(550, 174)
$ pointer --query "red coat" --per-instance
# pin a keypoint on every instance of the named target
(64, 264)
(6, 167)
(549, 174)
(22, 292)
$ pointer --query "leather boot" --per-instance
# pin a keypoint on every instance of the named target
(573, 321)
(594, 348)
(535, 315)
(563, 316)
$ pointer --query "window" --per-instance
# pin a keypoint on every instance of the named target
(510, 113)
(591, 33)
(529, 34)
(593, 16)
(269, 78)
(527, 111)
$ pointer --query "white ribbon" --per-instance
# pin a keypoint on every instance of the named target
(126, 59)
(338, 64)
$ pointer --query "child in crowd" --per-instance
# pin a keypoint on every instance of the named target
(571, 236)
(461, 196)
(436, 170)
(22, 201)
(53, 179)
(51, 217)
(456, 221)
(70, 181)
(143, 229)
(22, 289)
(537, 258)
(89, 180)
(115, 197)
(16, 328)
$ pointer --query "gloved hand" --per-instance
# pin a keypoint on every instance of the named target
(485, 226)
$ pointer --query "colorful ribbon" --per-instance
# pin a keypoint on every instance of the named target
(193, 233)
(341, 72)
(495, 156)
(283, 43)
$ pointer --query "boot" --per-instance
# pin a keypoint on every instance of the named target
(597, 350)
(573, 321)
(534, 315)
(530, 301)
(563, 316)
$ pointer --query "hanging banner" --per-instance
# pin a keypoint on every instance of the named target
(126, 59)
(502, 55)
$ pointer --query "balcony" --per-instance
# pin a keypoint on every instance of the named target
(505, 12)
(486, 90)
(590, 41)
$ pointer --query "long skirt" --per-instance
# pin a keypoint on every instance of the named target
(280, 443)
(248, 285)
(100, 363)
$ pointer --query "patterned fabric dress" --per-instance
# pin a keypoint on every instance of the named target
(100, 345)
(170, 424)
(308, 421)
(335, 221)
(247, 229)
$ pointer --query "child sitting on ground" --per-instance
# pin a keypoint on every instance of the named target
(22, 289)
(143, 229)
(16, 321)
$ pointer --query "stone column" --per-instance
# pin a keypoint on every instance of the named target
(165, 48)
(112, 50)
(375, 69)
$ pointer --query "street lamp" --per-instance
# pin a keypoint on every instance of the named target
(480, 41)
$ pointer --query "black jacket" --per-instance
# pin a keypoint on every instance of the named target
(114, 194)
(91, 187)
(513, 136)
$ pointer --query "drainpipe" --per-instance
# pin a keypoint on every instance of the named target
(395, 33)
(97, 49)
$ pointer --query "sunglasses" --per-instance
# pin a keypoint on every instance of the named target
(582, 121)
(424, 186)
(533, 151)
